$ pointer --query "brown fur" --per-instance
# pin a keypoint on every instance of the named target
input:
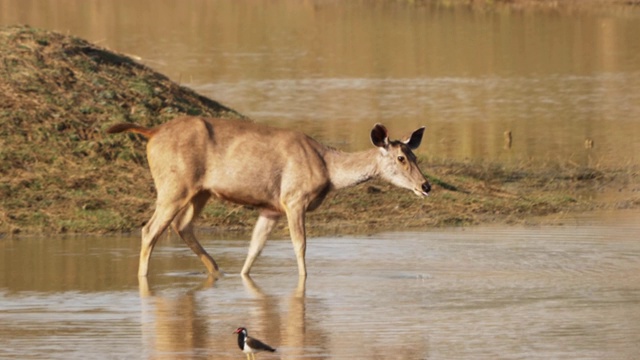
(278, 171)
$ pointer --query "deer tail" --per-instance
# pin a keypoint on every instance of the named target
(129, 127)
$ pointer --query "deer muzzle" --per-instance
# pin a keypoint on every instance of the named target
(424, 189)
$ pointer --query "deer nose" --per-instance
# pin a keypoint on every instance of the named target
(426, 187)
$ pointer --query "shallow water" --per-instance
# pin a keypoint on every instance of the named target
(561, 292)
(556, 78)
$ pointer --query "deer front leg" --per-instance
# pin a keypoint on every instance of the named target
(296, 219)
(263, 227)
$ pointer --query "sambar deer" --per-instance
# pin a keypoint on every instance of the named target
(277, 171)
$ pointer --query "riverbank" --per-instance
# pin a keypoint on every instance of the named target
(553, 3)
(60, 172)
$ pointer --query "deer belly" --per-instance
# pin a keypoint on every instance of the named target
(248, 198)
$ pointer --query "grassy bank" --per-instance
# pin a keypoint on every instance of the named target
(557, 4)
(59, 171)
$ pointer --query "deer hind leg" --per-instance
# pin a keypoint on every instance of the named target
(162, 216)
(263, 227)
(183, 225)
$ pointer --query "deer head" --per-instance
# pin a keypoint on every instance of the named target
(397, 162)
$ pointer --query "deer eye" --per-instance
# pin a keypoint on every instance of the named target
(401, 159)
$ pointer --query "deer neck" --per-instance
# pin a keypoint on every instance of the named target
(349, 169)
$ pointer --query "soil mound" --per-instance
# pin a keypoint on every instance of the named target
(57, 95)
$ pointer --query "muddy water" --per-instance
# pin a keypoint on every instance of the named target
(556, 78)
(552, 292)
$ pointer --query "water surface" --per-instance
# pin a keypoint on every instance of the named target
(547, 292)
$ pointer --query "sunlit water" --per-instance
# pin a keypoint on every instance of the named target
(557, 78)
(550, 292)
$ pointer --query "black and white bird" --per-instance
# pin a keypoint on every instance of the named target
(249, 345)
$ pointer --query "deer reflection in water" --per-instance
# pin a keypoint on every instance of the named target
(177, 324)
(266, 318)
(174, 324)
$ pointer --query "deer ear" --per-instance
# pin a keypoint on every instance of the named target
(379, 136)
(415, 139)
